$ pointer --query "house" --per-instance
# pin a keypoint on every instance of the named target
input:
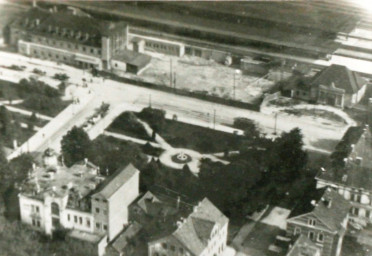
(303, 246)
(202, 232)
(350, 173)
(93, 207)
(335, 85)
(323, 220)
(73, 38)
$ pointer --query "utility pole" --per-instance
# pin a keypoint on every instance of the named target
(150, 100)
(276, 120)
(171, 74)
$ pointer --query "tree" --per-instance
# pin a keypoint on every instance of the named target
(5, 121)
(154, 117)
(291, 158)
(75, 145)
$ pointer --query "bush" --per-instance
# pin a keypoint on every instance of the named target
(128, 123)
(154, 117)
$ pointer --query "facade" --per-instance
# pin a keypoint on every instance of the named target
(68, 37)
(351, 172)
(78, 198)
(154, 44)
(323, 220)
(335, 85)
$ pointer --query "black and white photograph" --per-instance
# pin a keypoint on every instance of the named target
(186, 128)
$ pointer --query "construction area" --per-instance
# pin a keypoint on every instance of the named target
(205, 77)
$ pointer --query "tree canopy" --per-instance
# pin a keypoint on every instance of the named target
(75, 145)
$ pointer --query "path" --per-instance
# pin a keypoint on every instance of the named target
(129, 138)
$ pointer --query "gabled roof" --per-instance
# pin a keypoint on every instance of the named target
(331, 209)
(195, 231)
(303, 246)
(130, 231)
(109, 186)
(133, 58)
(341, 77)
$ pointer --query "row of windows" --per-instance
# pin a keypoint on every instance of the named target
(98, 210)
(79, 220)
(161, 46)
(171, 247)
(68, 45)
(311, 234)
(98, 200)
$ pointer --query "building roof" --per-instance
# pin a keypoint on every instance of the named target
(116, 181)
(86, 236)
(130, 231)
(195, 230)
(341, 77)
(303, 246)
(133, 58)
(331, 208)
(52, 24)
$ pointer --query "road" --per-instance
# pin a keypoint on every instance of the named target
(117, 93)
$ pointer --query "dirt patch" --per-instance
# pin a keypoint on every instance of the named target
(205, 76)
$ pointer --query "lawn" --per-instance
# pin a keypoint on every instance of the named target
(203, 140)
(26, 119)
(127, 124)
(51, 110)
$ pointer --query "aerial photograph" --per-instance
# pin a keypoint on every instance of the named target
(186, 128)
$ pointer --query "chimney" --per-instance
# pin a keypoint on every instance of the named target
(313, 203)
(86, 36)
(33, 166)
(34, 3)
(358, 160)
(328, 203)
(54, 188)
(55, 10)
(37, 22)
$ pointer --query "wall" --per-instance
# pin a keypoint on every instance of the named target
(118, 205)
(28, 212)
(100, 212)
(75, 218)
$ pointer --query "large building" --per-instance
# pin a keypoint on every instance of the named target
(335, 85)
(75, 38)
(350, 173)
(323, 220)
(93, 207)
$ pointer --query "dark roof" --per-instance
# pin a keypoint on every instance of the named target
(109, 186)
(353, 176)
(341, 77)
(331, 214)
(95, 28)
(344, 147)
(133, 58)
(195, 230)
(129, 232)
(303, 246)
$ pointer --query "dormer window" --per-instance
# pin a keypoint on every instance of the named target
(311, 222)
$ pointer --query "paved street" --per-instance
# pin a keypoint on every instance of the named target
(117, 93)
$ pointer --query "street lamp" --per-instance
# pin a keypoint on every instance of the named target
(236, 72)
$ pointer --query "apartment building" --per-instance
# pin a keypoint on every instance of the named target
(78, 198)
(323, 220)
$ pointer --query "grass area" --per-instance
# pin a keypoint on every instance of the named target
(9, 91)
(316, 113)
(127, 124)
(203, 140)
(26, 119)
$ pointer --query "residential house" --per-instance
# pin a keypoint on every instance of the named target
(335, 85)
(323, 220)
(350, 173)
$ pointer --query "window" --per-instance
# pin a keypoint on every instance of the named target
(320, 237)
(88, 223)
(104, 227)
(75, 219)
(98, 225)
(33, 222)
(105, 212)
(311, 222)
(80, 220)
(165, 246)
(84, 49)
(91, 50)
(311, 235)
(172, 248)
(55, 208)
(97, 210)
(68, 217)
(116, 65)
(38, 223)
(97, 199)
